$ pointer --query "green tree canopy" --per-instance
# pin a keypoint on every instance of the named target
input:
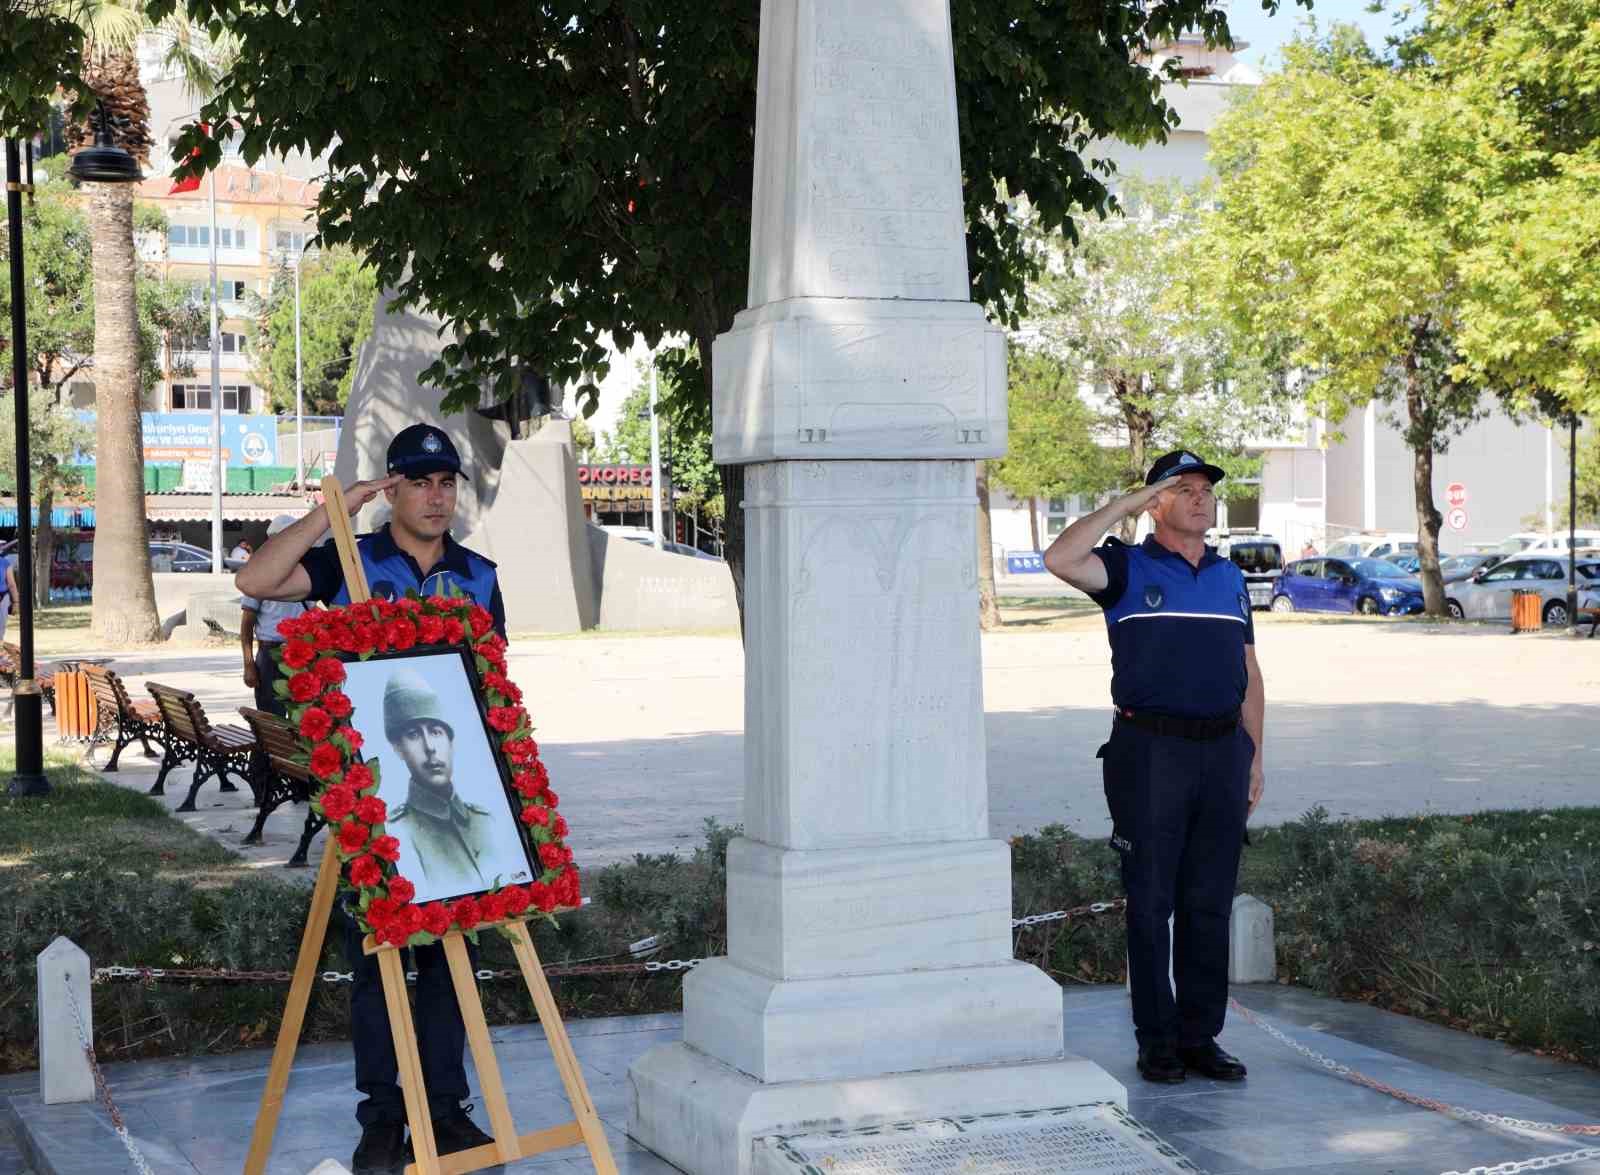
(338, 296)
(1052, 451)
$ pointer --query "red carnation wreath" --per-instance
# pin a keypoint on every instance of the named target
(313, 671)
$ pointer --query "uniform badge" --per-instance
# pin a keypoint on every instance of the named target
(1154, 597)
(431, 443)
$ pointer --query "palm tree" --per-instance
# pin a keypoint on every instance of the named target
(124, 610)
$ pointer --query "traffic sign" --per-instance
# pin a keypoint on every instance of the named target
(1456, 519)
(1456, 494)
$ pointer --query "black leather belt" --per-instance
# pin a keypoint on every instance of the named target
(1195, 728)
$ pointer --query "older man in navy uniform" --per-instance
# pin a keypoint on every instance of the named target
(413, 553)
(1183, 767)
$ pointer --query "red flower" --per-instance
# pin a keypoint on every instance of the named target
(365, 872)
(516, 899)
(387, 847)
(315, 724)
(380, 911)
(352, 835)
(304, 686)
(535, 814)
(551, 798)
(454, 631)
(505, 719)
(551, 856)
(491, 908)
(436, 918)
(480, 620)
(359, 777)
(366, 637)
(330, 671)
(559, 827)
(299, 654)
(394, 935)
(353, 737)
(541, 896)
(568, 889)
(326, 760)
(430, 629)
(369, 809)
(293, 626)
(439, 603)
(338, 802)
(465, 912)
(401, 889)
(525, 783)
(402, 634)
(337, 704)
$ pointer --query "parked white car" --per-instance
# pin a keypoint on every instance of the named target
(1373, 546)
(1488, 597)
(1529, 542)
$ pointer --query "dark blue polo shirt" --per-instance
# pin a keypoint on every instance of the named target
(1177, 631)
(391, 573)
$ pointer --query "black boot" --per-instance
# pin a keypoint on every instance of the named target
(1159, 1063)
(456, 1131)
(382, 1149)
(1210, 1061)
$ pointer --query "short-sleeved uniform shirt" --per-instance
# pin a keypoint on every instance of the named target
(270, 614)
(391, 573)
(1177, 631)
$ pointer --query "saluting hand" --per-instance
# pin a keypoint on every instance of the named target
(362, 492)
(1139, 501)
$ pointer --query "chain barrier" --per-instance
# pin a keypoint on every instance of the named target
(645, 946)
(1460, 1113)
(101, 1086)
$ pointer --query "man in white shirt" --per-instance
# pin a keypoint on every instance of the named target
(258, 635)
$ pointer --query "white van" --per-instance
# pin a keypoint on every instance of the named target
(1529, 542)
(1373, 546)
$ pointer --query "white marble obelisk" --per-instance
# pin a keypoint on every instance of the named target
(869, 975)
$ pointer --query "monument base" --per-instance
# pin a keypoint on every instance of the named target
(704, 1117)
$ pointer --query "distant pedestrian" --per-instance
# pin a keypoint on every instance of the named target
(1183, 766)
(1308, 551)
(9, 596)
(259, 636)
(241, 550)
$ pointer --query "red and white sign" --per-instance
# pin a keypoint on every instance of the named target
(1456, 494)
(1456, 519)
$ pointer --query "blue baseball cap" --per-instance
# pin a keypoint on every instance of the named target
(422, 449)
(1179, 462)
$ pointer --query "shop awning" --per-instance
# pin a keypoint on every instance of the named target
(62, 517)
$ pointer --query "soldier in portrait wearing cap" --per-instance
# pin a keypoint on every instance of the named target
(1183, 767)
(450, 845)
(413, 552)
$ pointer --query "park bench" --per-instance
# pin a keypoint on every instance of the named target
(279, 777)
(119, 719)
(218, 751)
(1591, 617)
(43, 675)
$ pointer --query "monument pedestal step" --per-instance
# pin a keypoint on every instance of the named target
(705, 1117)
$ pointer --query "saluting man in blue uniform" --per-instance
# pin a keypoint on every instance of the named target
(1183, 767)
(414, 552)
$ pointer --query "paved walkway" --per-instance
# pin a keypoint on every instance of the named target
(643, 735)
(194, 1117)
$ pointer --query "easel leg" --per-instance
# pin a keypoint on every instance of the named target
(410, 1064)
(483, 1058)
(594, 1135)
(294, 1012)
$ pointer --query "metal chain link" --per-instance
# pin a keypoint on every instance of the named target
(100, 1083)
(1542, 1163)
(1076, 912)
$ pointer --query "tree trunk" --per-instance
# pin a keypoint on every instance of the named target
(1428, 517)
(44, 539)
(988, 602)
(124, 594)
(1033, 522)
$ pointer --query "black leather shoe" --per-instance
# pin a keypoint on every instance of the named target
(1160, 1063)
(1210, 1061)
(382, 1149)
(456, 1131)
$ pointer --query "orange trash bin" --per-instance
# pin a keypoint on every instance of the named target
(1526, 611)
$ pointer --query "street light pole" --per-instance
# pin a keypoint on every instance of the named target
(27, 708)
(1572, 523)
(216, 395)
(655, 460)
(299, 395)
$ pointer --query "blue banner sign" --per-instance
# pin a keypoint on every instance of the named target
(1024, 563)
(174, 437)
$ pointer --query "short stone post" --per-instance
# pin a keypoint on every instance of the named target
(329, 1167)
(1252, 950)
(63, 974)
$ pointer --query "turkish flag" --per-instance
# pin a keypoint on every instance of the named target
(192, 184)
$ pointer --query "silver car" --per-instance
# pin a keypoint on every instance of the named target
(1488, 596)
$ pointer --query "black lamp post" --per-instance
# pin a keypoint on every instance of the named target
(103, 163)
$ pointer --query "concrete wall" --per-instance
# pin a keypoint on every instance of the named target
(642, 588)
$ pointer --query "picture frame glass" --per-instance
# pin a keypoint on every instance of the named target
(424, 731)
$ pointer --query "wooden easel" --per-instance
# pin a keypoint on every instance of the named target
(508, 1145)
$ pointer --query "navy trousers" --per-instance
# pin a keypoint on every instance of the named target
(441, 1035)
(1178, 809)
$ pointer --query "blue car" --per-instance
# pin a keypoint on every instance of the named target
(1370, 586)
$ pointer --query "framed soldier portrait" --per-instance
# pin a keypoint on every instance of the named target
(425, 733)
